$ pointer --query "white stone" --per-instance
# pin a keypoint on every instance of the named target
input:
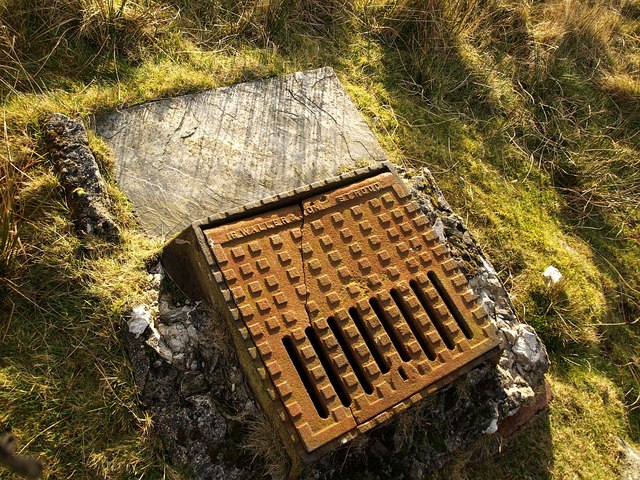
(438, 227)
(140, 320)
(520, 393)
(175, 336)
(527, 348)
(492, 428)
(488, 304)
(511, 335)
(629, 461)
(552, 275)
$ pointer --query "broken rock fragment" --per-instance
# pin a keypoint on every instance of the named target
(84, 187)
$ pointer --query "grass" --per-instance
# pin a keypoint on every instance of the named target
(8, 228)
(526, 112)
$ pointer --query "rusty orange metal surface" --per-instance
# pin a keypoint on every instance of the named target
(351, 306)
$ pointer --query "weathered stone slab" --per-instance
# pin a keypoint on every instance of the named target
(181, 159)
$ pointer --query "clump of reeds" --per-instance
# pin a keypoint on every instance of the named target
(8, 223)
(124, 25)
(67, 35)
(584, 33)
(265, 446)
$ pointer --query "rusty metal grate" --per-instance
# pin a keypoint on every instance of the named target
(349, 305)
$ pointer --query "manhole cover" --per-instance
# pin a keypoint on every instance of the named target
(348, 305)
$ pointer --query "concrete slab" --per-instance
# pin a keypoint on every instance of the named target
(182, 158)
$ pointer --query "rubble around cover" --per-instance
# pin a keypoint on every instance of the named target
(192, 383)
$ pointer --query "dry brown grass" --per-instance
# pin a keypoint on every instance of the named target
(37, 35)
(265, 445)
(427, 28)
(126, 26)
(610, 182)
(8, 223)
(587, 32)
(12, 177)
(277, 23)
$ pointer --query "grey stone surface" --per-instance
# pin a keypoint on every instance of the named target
(192, 385)
(629, 461)
(182, 158)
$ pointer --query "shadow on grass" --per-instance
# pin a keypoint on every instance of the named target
(67, 389)
(528, 454)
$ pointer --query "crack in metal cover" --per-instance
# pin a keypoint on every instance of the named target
(350, 306)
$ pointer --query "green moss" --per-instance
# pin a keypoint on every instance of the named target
(534, 145)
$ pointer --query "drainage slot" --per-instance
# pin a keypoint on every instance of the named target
(433, 314)
(334, 378)
(450, 305)
(386, 324)
(402, 373)
(426, 346)
(377, 356)
(305, 376)
(357, 368)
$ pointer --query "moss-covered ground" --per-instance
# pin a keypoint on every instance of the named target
(527, 113)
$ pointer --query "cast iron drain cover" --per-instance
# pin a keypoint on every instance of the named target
(347, 303)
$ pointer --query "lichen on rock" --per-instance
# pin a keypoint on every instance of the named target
(191, 384)
(67, 143)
